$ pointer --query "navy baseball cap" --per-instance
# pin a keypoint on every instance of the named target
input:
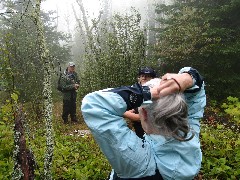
(147, 70)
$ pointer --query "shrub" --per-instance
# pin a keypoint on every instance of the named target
(221, 142)
(232, 107)
(6, 150)
(75, 156)
(221, 153)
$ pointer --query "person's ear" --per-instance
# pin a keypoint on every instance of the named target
(144, 113)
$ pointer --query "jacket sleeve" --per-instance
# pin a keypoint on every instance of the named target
(195, 98)
(128, 97)
(103, 113)
(197, 79)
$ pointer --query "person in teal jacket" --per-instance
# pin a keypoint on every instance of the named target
(170, 113)
(70, 83)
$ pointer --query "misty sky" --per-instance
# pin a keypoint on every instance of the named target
(65, 12)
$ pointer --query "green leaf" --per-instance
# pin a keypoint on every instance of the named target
(14, 96)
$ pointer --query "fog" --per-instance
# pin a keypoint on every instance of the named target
(64, 10)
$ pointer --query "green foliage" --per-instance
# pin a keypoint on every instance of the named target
(79, 158)
(6, 73)
(116, 54)
(6, 137)
(75, 156)
(204, 35)
(220, 139)
(232, 107)
(6, 111)
(221, 153)
(6, 144)
(21, 68)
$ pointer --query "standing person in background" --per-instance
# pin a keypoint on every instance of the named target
(145, 74)
(70, 84)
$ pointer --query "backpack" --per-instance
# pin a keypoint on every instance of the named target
(59, 85)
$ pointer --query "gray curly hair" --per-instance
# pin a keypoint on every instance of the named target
(169, 114)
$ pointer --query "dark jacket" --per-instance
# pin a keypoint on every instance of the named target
(68, 82)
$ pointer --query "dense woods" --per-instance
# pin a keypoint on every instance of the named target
(204, 35)
(108, 51)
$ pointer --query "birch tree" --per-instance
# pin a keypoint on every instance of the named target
(47, 92)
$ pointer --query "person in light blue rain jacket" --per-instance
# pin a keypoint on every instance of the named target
(170, 110)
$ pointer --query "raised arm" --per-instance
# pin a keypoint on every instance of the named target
(191, 83)
(188, 80)
(103, 113)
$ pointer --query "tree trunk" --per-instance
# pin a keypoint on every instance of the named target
(47, 91)
(24, 160)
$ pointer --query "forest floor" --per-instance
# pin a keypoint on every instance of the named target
(79, 128)
(212, 116)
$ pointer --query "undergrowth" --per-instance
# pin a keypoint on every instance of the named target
(77, 156)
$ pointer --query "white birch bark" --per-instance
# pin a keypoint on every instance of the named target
(47, 91)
